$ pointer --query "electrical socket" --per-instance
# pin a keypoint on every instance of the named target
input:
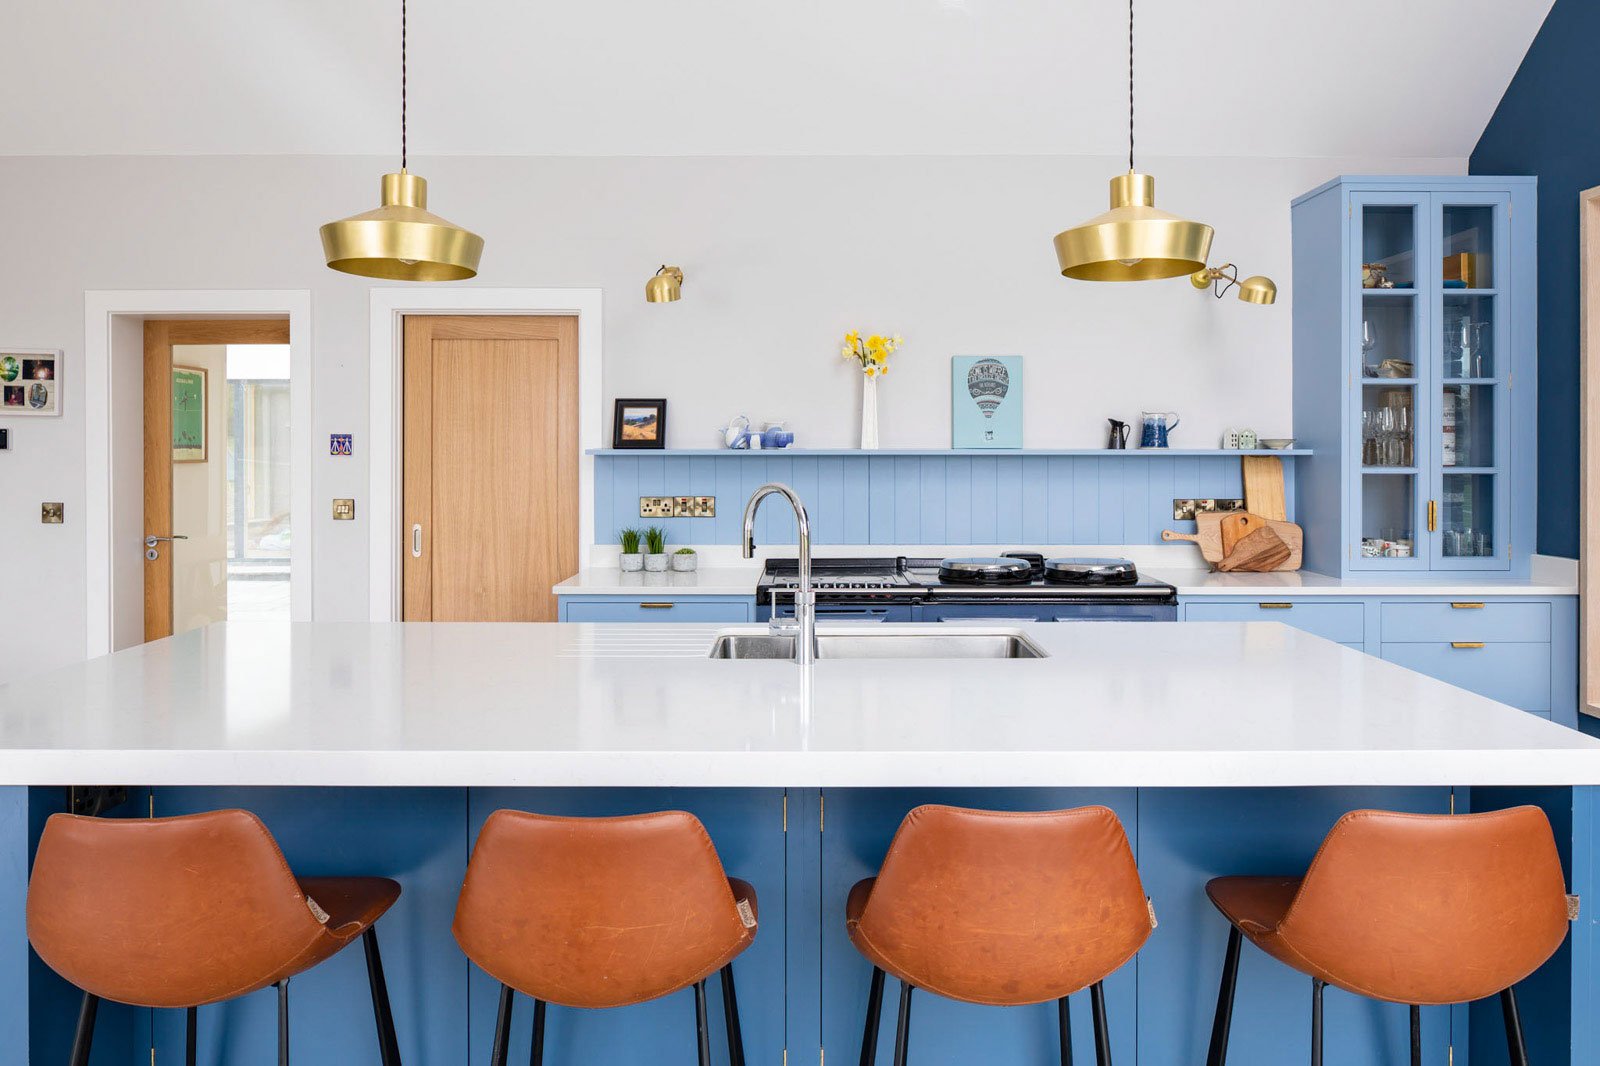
(705, 507)
(1184, 510)
(655, 506)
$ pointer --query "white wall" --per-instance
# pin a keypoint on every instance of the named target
(782, 255)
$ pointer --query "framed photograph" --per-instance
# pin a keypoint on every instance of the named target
(640, 424)
(30, 382)
(188, 414)
(986, 401)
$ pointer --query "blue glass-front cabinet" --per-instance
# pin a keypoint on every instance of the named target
(1414, 373)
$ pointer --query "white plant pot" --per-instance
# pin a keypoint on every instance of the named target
(655, 564)
(869, 413)
(685, 564)
(631, 564)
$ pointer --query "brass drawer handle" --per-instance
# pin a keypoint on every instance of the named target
(1274, 606)
(1467, 606)
(658, 606)
(1466, 643)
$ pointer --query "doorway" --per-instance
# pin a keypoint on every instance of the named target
(218, 486)
(490, 497)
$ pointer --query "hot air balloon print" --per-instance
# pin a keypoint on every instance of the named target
(986, 391)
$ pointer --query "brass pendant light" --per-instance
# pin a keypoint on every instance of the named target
(402, 240)
(1133, 241)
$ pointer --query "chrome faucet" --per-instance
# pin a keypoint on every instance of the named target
(805, 598)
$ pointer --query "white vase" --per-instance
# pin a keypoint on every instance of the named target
(869, 412)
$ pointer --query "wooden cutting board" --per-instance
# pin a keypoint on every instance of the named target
(1263, 486)
(1209, 535)
(1260, 551)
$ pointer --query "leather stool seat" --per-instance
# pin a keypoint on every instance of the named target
(1420, 909)
(189, 911)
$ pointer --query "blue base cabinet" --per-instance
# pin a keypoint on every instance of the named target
(1523, 652)
(657, 608)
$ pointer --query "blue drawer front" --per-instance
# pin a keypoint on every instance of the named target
(1466, 620)
(1518, 674)
(1344, 623)
(685, 609)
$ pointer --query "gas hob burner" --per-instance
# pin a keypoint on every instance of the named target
(986, 571)
(1090, 572)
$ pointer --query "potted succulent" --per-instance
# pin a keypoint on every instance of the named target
(684, 560)
(630, 559)
(655, 549)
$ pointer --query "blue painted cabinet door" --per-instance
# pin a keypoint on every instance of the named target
(663, 609)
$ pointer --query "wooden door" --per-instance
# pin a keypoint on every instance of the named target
(159, 337)
(491, 466)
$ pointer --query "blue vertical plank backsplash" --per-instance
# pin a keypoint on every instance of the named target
(929, 499)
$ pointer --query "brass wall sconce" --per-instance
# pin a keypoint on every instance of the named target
(1256, 289)
(666, 286)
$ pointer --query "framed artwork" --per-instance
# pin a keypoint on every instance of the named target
(986, 401)
(188, 414)
(640, 424)
(30, 382)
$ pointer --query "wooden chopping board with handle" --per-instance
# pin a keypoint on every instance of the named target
(1210, 535)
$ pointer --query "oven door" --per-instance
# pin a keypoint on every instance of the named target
(842, 612)
(1037, 611)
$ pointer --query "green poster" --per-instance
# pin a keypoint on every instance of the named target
(188, 414)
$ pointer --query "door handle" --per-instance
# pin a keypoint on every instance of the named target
(151, 552)
(416, 541)
(1433, 516)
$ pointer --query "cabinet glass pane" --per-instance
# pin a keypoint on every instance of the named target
(1388, 425)
(1387, 506)
(1469, 336)
(1388, 337)
(1389, 242)
(1466, 418)
(1468, 247)
(1466, 522)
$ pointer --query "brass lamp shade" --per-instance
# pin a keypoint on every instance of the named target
(665, 287)
(1258, 289)
(402, 241)
(1133, 241)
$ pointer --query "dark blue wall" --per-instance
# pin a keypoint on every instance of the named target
(1547, 125)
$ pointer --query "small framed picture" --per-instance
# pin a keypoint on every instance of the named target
(640, 424)
(188, 414)
(986, 401)
(30, 382)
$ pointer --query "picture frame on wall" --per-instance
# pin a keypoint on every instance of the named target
(986, 401)
(30, 382)
(188, 414)
(640, 424)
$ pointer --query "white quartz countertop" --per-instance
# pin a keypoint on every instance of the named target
(1113, 704)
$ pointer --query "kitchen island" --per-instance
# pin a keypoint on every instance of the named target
(380, 749)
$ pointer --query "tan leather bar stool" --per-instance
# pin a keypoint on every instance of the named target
(1000, 908)
(603, 912)
(189, 911)
(1422, 909)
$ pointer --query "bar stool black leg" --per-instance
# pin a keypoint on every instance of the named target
(1416, 1035)
(1222, 1024)
(1316, 1021)
(730, 1018)
(1064, 1017)
(388, 1046)
(83, 1038)
(1102, 1033)
(869, 1035)
(502, 1029)
(283, 1022)
(191, 1034)
(1515, 1042)
(902, 1026)
(536, 1056)
(702, 1027)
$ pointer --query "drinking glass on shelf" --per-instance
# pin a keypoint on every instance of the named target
(1403, 436)
(1369, 341)
(1369, 438)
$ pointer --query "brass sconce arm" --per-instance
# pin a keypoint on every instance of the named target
(1256, 289)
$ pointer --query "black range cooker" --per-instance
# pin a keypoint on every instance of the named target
(1016, 586)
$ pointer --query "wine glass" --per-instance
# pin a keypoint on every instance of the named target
(1369, 341)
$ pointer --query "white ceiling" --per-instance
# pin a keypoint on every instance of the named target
(690, 77)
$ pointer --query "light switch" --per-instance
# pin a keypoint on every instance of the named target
(52, 514)
(705, 507)
(344, 510)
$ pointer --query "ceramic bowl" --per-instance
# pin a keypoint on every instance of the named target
(1277, 444)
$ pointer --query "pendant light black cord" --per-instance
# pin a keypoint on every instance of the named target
(403, 84)
(1130, 85)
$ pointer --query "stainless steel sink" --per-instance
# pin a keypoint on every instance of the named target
(869, 643)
